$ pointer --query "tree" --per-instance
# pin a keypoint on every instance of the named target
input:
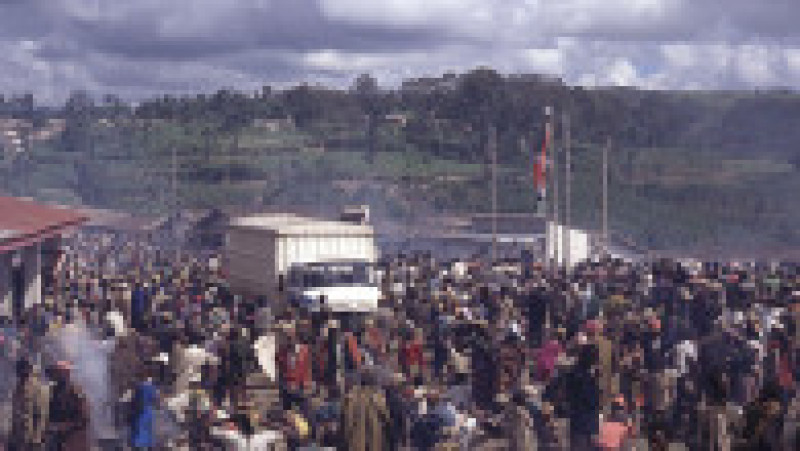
(78, 117)
(302, 105)
(114, 107)
(367, 92)
(77, 138)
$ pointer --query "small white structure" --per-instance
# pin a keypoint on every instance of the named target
(579, 244)
(289, 257)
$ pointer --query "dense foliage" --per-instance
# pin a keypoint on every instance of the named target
(687, 168)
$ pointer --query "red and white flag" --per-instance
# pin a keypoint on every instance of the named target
(540, 169)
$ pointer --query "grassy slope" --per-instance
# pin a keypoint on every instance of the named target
(666, 197)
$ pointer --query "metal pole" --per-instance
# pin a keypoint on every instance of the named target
(568, 180)
(493, 153)
(175, 203)
(174, 179)
(556, 220)
(523, 147)
(605, 197)
(548, 241)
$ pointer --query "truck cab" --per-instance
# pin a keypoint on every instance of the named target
(337, 286)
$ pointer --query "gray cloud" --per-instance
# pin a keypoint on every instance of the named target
(150, 46)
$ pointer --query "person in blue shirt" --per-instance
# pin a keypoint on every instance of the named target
(143, 409)
(138, 307)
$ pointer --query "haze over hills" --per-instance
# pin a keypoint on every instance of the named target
(688, 168)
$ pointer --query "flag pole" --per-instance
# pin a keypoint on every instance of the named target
(605, 197)
(568, 184)
(556, 200)
(549, 251)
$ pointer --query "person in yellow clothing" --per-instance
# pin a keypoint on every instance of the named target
(31, 404)
(365, 417)
(300, 429)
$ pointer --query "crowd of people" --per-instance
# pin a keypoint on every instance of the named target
(461, 355)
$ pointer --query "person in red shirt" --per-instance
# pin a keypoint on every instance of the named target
(615, 429)
(411, 357)
(294, 370)
(375, 342)
(353, 353)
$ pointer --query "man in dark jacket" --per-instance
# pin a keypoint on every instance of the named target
(239, 357)
(584, 402)
(398, 411)
(763, 424)
(715, 358)
(69, 413)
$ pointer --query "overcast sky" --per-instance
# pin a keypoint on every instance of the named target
(139, 48)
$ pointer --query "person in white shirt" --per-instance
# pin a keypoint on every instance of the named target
(685, 351)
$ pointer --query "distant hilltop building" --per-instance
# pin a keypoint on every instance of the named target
(397, 119)
(17, 134)
(449, 82)
(275, 125)
(543, 79)
(427, 85)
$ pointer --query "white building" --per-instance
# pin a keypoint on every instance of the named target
(30, 236)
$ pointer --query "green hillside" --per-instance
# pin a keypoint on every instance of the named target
(687, 168)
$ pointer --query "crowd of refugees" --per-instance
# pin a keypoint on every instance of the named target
(462, 355)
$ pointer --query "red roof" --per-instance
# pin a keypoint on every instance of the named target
(25, 222)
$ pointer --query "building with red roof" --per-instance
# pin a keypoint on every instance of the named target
(30, 236)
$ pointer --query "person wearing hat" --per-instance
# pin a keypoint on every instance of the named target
(30, 409)
(68, 427)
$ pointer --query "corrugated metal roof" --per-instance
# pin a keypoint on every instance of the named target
(290, 224)
(24, 221)
(8, 234)
(118, 220)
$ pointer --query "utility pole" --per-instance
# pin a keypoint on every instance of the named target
(175, 203)
(174, 179)
(493, 155)
(605, 197)
(523, 147)
(568, 184)
(234, 148)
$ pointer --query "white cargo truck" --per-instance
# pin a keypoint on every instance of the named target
(308, 262)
